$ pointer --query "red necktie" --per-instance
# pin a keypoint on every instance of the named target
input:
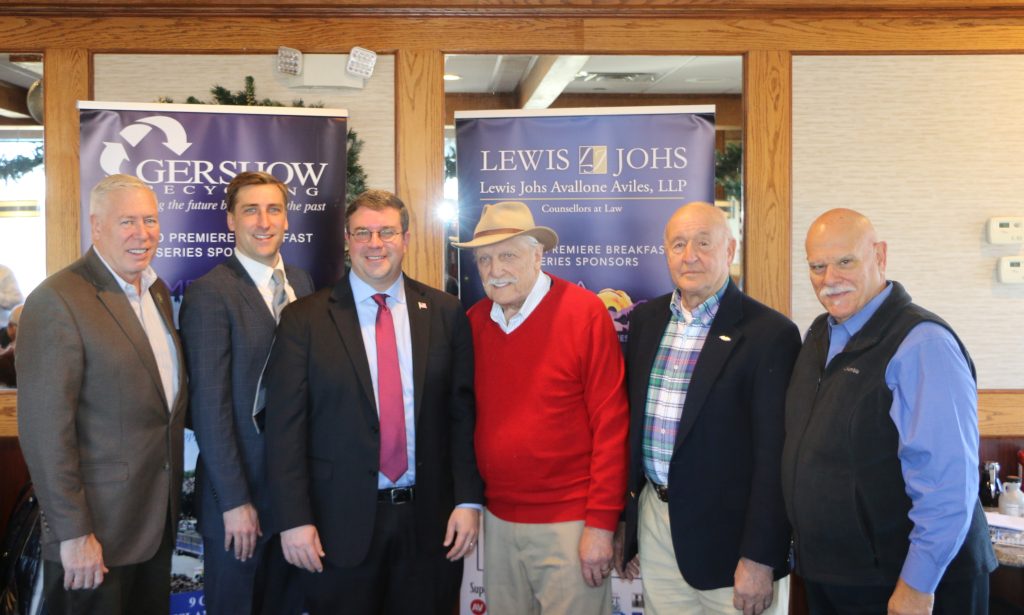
(393, 459)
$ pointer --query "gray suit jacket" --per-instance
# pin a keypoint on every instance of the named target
(227, 331)
(102, 446)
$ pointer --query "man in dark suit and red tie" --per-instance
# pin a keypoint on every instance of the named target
(370, 420)
(707, 369)
(227, 320)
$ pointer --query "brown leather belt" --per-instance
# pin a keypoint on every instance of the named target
(662, 491)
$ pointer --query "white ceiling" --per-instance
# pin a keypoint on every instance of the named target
(495, 74)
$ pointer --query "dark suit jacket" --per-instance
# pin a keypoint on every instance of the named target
(227, 331)
(323, 433)
(102, 446)
(725, 495)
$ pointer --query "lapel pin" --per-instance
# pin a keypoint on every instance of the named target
(422, 305)
(725, 338)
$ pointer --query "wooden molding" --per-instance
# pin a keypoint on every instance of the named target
(419, 168)
(496, 8)
(768, 186)
(8, 413)
(767, 32)
(999, 413)
(67, 77)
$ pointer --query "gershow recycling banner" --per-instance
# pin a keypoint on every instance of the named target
(607, 180)
(189, 153)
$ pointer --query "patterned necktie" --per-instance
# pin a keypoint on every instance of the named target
(280, 294)
(393, 459)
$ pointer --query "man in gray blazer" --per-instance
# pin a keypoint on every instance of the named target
(101, 413)
(228, 318)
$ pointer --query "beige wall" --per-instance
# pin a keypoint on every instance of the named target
(929, 147)
(148, 77)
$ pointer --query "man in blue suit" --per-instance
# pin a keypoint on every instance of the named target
(228, 319)
(707, 369)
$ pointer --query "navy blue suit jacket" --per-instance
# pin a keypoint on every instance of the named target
(725, 492)
(227, 331)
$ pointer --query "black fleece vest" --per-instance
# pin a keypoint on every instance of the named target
(841, 476)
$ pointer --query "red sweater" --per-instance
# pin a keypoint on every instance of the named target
(552, 413)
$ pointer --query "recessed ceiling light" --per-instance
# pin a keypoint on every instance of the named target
(451, 77)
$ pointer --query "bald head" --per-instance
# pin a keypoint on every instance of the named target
(846, 261)
(699, 248)
(702, 213)
(845, 223)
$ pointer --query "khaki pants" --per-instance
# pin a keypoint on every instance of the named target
(665, 590)
(534, 569)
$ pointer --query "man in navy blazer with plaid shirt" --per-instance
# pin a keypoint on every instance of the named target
(707, 369)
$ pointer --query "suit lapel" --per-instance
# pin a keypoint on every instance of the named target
(298, 280)
(419, 329)
(342, 311)
(162, 298)
(114, 300)
(718, 346)
(248, 290)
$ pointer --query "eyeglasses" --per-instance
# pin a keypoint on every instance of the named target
(364, 235)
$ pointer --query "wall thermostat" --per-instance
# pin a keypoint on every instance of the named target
(1011, 270)
(1005, 229)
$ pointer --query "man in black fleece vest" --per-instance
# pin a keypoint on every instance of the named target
(879, 467)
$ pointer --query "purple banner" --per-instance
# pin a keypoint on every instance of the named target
(606, 180)
(189, 153)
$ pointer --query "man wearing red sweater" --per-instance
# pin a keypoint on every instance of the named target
(551, 427)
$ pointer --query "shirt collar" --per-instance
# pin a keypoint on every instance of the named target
(361, 291)
(704, 313)
(855, 323)
(259, 272)
(541, 286)
(146, 279)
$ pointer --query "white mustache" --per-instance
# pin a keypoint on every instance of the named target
(828, 291)
(497, 281)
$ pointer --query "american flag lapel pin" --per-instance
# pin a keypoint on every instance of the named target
(422, 305)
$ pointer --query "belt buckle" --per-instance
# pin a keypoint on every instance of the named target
(399, 495)
(662, 491)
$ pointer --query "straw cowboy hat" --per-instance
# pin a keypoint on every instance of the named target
(505, 220)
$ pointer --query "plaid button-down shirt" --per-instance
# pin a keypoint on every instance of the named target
(670, 378)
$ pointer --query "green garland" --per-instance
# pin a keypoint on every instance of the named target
(355, 177)
(729, 170)
(13, 168)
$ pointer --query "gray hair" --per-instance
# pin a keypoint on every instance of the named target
(99, 193)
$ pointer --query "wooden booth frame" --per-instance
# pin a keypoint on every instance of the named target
(767, 33)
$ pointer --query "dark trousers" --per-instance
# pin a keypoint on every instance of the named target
(143, 588)
(967, 597)
(264, 584)
(396, 578)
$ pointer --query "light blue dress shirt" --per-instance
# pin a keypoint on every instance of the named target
(366, 309)
(935, 410)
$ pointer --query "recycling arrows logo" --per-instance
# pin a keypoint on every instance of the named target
(114, 153)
